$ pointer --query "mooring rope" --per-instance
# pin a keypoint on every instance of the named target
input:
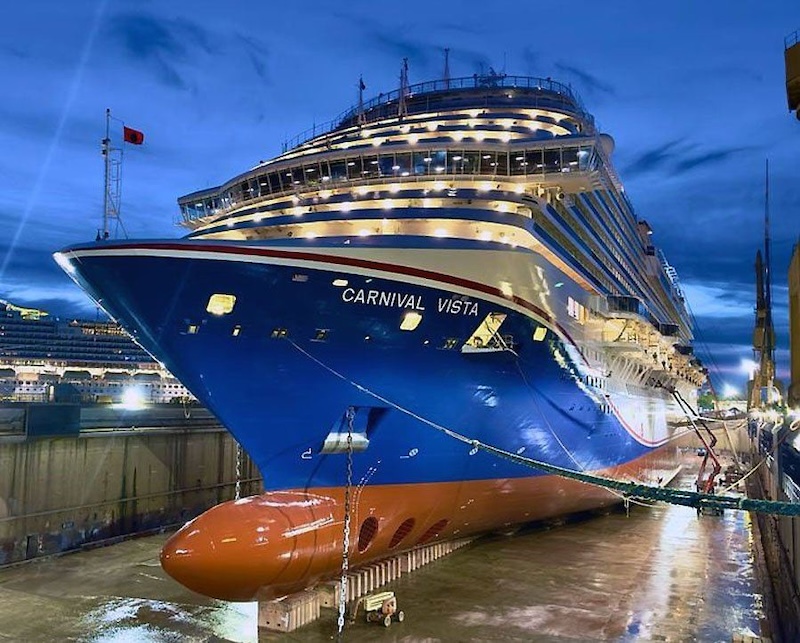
(628, 489)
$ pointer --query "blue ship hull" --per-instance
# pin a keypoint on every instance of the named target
(281, 388)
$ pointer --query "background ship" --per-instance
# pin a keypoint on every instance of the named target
(449, 262)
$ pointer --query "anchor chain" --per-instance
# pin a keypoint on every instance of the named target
(349, 416)
(238, 488)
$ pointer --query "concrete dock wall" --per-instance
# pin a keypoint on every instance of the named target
(780, 540)
(60, 493)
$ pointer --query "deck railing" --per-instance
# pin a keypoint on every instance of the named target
(434, 86)
(791, 489)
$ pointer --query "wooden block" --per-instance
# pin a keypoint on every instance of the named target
(328, 595)
(289, 613)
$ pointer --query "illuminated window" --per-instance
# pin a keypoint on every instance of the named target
(410, 320)
(277, 333)
(576, 310)
(539, 334)
(236, 330)
(192, 329)
(321, 334)
(219, 304)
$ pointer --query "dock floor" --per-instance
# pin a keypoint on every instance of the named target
(660, 574)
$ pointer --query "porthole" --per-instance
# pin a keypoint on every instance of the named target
(220, 304)
(410, 320)
(402, 531)
(433, 531)
(369, 528)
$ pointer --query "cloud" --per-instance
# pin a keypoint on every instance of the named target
(422, 55)
(531, 61)
(722, 74)
(257, 53)
(34, 279)
(12, 52)
(160, 44)
(58, 300)
(592, 83)
(707, 158)
(717, 300)
(417, 52)
(387, 39)
(654, 158)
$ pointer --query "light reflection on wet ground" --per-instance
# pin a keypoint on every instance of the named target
(661, 574)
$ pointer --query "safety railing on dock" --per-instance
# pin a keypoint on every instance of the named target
(791, 489)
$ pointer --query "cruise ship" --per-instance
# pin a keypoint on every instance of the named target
(48, 359)
(449, 264)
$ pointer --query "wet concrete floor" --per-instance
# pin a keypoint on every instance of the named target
(660, 574)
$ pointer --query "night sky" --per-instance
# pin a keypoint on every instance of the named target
(693, 93)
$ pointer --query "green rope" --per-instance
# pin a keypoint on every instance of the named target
(647, 492)
(628, 489)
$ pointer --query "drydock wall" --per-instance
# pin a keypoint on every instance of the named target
(60, 493)
(780, 539)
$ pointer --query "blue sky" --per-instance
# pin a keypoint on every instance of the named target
(692, 92)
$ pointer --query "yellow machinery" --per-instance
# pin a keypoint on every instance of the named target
(380, 607)
(792, 56)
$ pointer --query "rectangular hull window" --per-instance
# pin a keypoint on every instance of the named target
(220, 304)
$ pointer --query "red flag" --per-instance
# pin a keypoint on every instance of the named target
(133, 136)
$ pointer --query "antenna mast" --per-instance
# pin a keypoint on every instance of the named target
(447, 68)
(763, 382)
(112, 192)
(769, 345)
(402, 108)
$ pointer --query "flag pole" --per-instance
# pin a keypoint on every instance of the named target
(361, 86)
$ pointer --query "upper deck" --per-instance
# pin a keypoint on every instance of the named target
(476, 121)
(453, 93)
